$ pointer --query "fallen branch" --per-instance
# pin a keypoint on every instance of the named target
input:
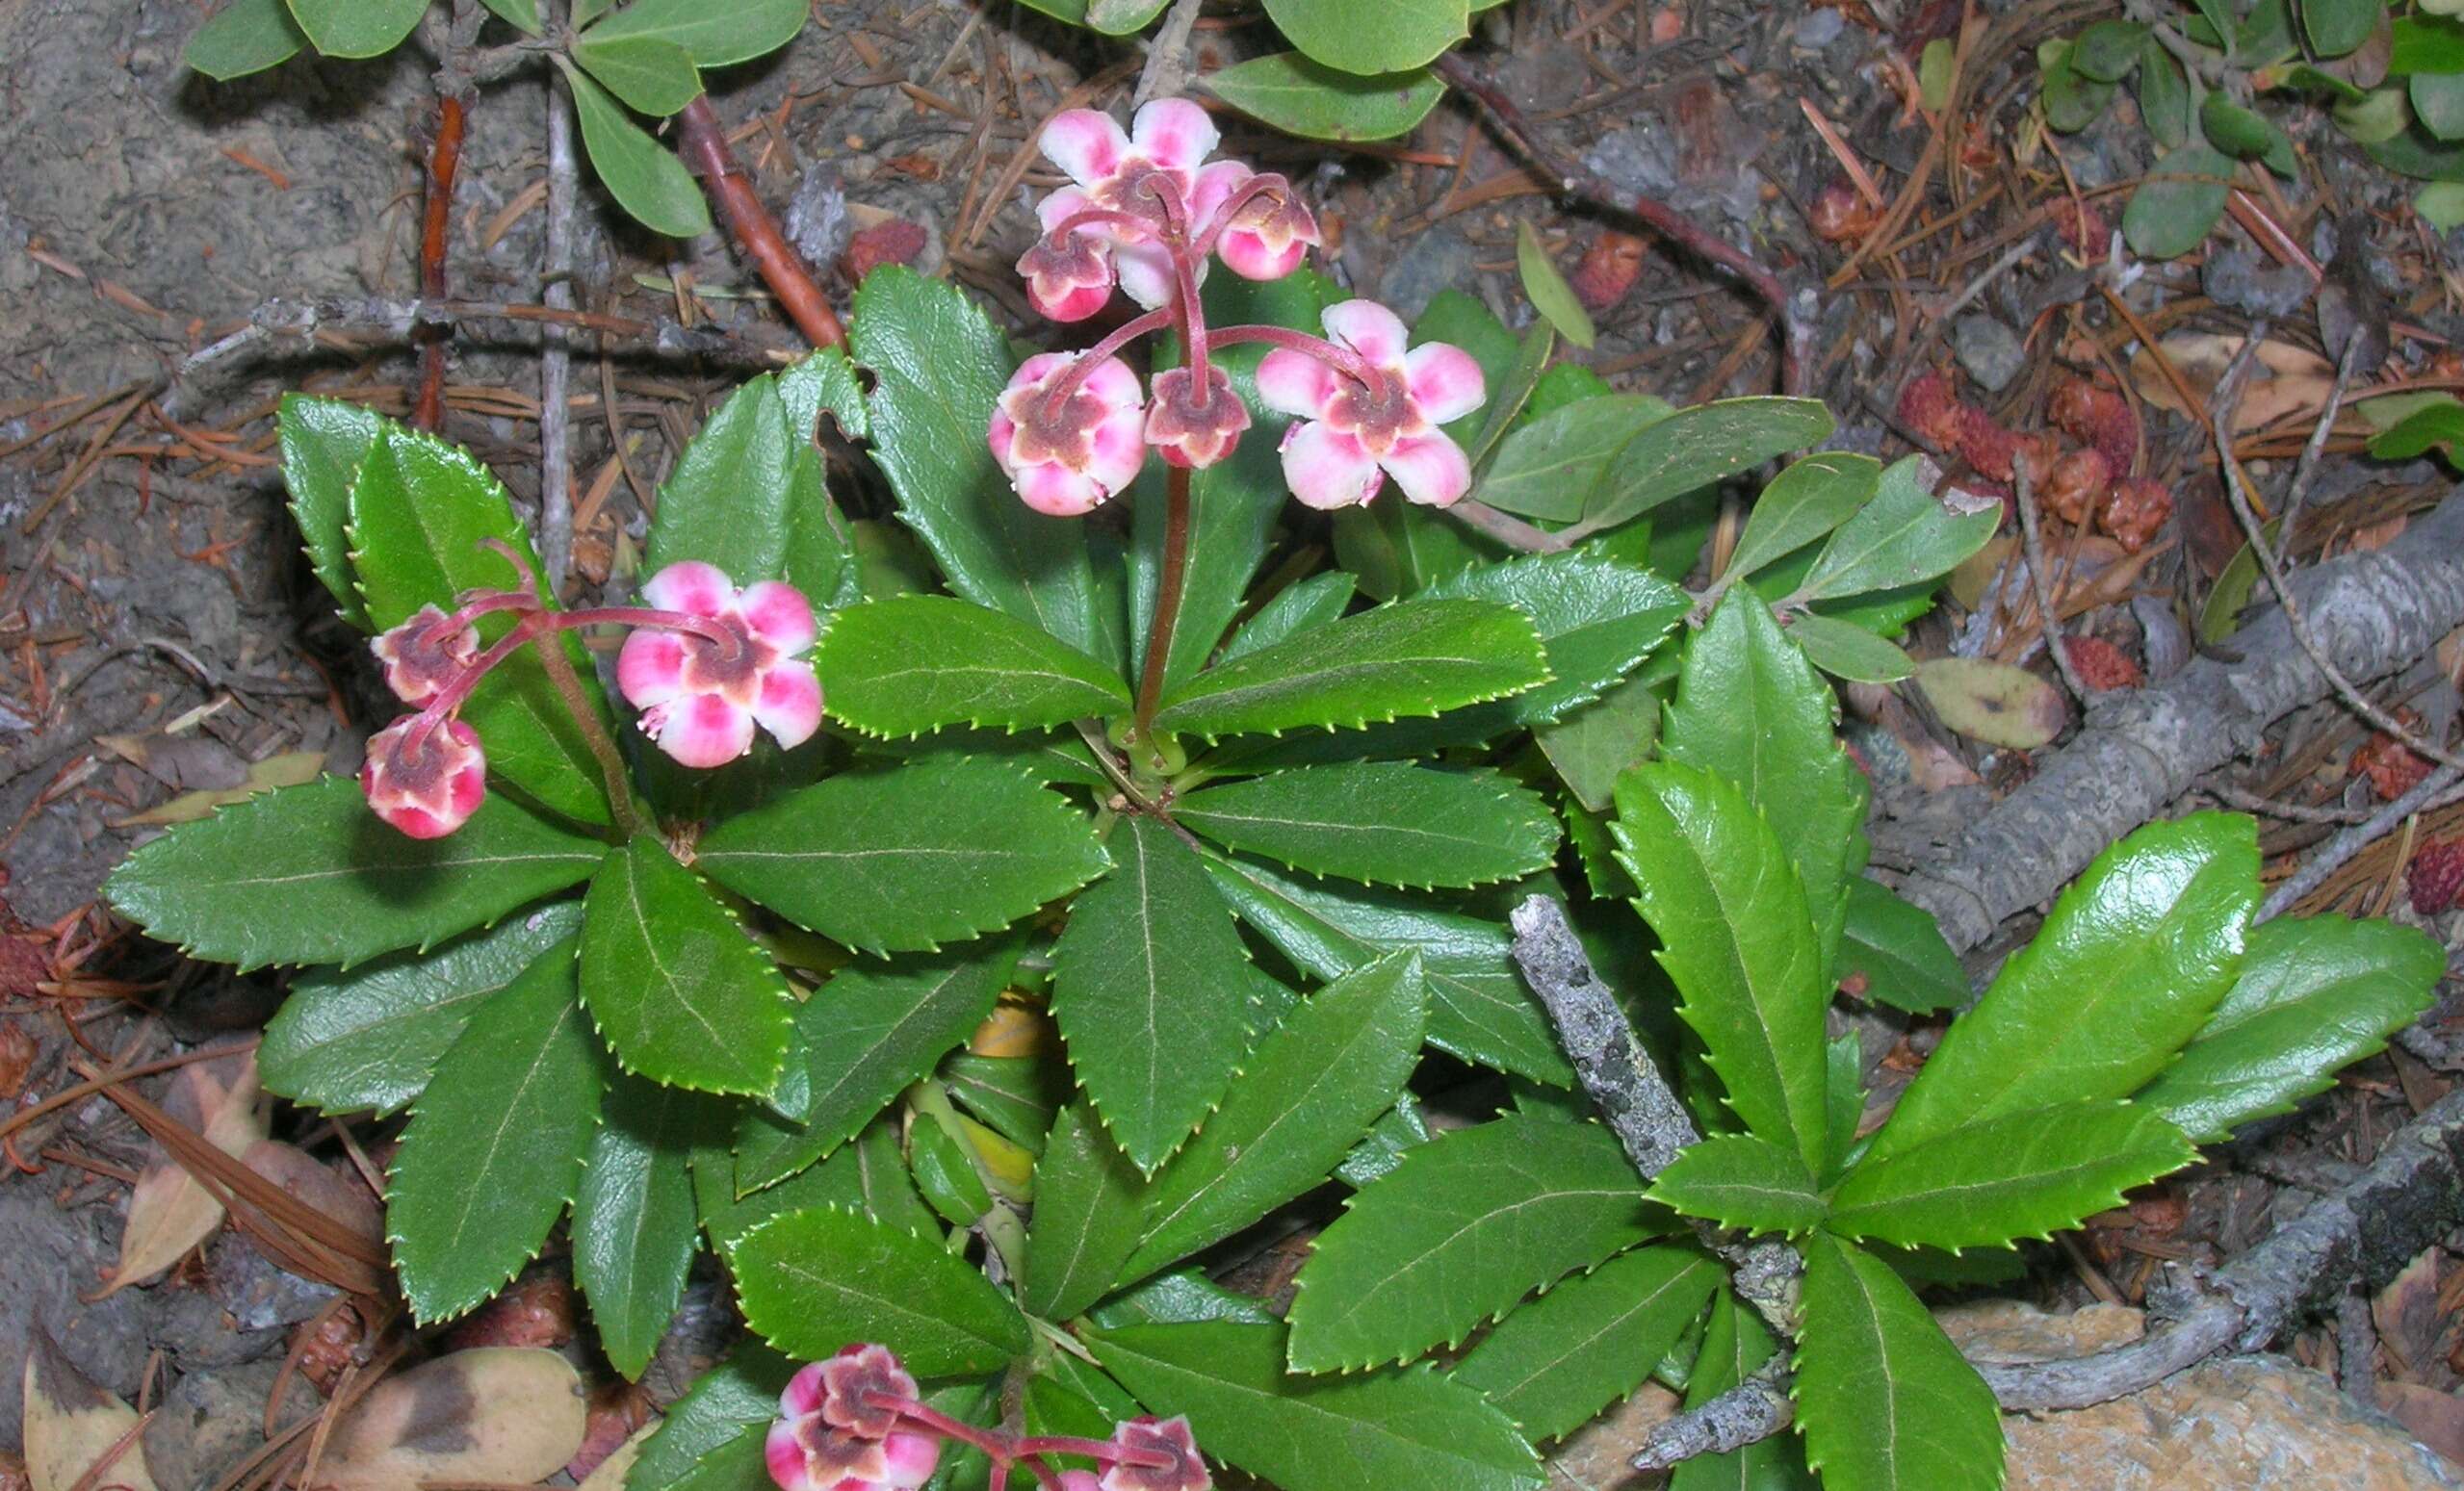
(703, 144)
(556, 356)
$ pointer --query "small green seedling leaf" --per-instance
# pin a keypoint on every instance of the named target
(1547, 290)
(1298, 97)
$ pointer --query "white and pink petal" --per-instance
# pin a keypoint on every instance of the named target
(1444, 382)
(1327, 469)
(1369, 329)
(1292, 382)
(1173, 133)
(691, 586)
(778, 615)
(1086, 144)
(701, 730)
(1431, 469)
(790, 704)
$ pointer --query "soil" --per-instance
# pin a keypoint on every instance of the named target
(159, 631)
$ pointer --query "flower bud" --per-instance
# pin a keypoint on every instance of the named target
(425, 777)
(1188, 431)
(424, 654)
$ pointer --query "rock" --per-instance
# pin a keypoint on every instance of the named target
(2235, 277)
(2232, 1424)
(1434, 261)
(1819, 28)
(53, 1256)
(212, 1418)
(1989, 350)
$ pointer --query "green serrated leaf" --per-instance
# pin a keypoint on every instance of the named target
(1384, 822)
(938, 366)
(324, 443)
(812, 1281)
(634, 1224)
(1735, 936)
(1479, 1008)
(368, 1039)
(649, 75)
(1598, 619)
(1547, 291)
(308, 874)
(2021, 1174)
(1310, 1087)
(1408, 657)
(1149, 984)
(864, 1036)
(1407, 31)
(1592, 746)
(1465, 1226)
(521, 15)
(1899, 950)
(1810, 499)
(645, 178)
(1884, 1398)
(1018, 1095)
(672, 982)
(1739, 1180)
(823, 381)
(1298, 97)
(911, 664)
(1399, 1128)
(1591, 1341)
(2134, 960)
(495, 1144)
(1089, 1212)
(243, 36)
(1735, 1344)
(714, 35)
(902, 860)
(1408, 1427)
(1297, 608)
(2315, 994)
(1905, 536)
(1696, 446)
(356, 28)
(735, 500)
(707, 1441)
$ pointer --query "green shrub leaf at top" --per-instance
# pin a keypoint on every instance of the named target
(634, 1226)
(823, 381)
(1458, 1233)
(715, 35)
(1314, 1083)
(1384, 822)
(645, 177)
(1089, 1211)
(2134, 960)
(1808, 499)
(939, 365)
(307, 875)
(672, 980)
(1151, 989)
(1407, 657)
(2315, 994)
(1899, 949)
(523, 14)
(1296, 607)
(711, 1430)
(324, 443)
(1598, 618)
(1904, 536)
(367, 1040)
(1742, 1181)
(1696, 446)
(495, 1144)
(741, 496)
(243, 36)
(1884, 1399)
(1298, 97)
(812, 1281)
(1404, 33)
(911, 664)
(356, 28)
(905, 860)
(649, 75)
(2019, 1175)
(1735, 937)
(1559, 1361)
(1398, 1428)
(1845, 649)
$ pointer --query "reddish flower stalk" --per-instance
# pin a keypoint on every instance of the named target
(444, 163)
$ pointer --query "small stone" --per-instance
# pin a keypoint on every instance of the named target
(1988, 349)
(1436, 260)
(1819, 28)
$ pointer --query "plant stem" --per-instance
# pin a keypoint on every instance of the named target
(1168, 588)
(594, 733)
(704, 146)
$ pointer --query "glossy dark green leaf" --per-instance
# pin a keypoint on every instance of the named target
(2019, 1175)
(1409, 658)
(1696, 446)
(911, 664)
(243, 36)
(1089, 1212)
(737, 499)
(1736, 938)
(1742, 1181)
(356, 28)
(710, 1438)
(634, 1225)
(938, 366)
(2135, 956)
(812, 1281)
(1897, 948)
(1845, 649)
(673, 983)
(1016, 1096)
(368, 1039)
(1479, 1009)
(1311, 603)
(1884, 1398)
(2171, 210)
(1591, 1341)
(1383, 822)
(324, 443)
(1298, 97)
(945, 1173)
(1401, 1428)
(495, 1146)
(863, 1038)
(823, 381)
(2252, 136)
(902, 860)
(713, 34)
(1407, 34)
(308, 874)
(649, 75)
(1308, 1092)
(1399, 1128)
(1904, 536)
(644, 176)
(1592, 746)
(2315, 994)
(1597, 618)
(1150, 988)
(2425, 43)
(1464, 1226)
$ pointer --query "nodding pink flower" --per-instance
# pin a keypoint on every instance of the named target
(700, 696)
(422, 655)
(1149, 172)
(1155, 1437)
(1270, 231)
(1186, 432)
(1375, 417)
(425, 776)
(1069, 271)
(1066, 454)
(832, 1434)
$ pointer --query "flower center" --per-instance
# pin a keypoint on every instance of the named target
(1376, 411)
(1056, 426)
(1141, 187)
(731, 668)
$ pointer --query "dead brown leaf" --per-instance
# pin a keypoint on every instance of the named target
(510, 1415)
(2284, 381)
(169, 1212)
(71, 1426)
(2434, 1418)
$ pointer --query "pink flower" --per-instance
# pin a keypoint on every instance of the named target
(424, 653)
(1133, 173)
(1065, 455)
(1171, 1437)
(832, 1436)
(1080, 1481)
(1270, 232)
(1069, 272)
(700, 696)
(1186, 432)
(1360, 426)
(425, 777)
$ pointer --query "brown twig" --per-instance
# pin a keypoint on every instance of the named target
(2040, 583)
(1573, 179)
(703, 144)
(444, 165)
(556, 357)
